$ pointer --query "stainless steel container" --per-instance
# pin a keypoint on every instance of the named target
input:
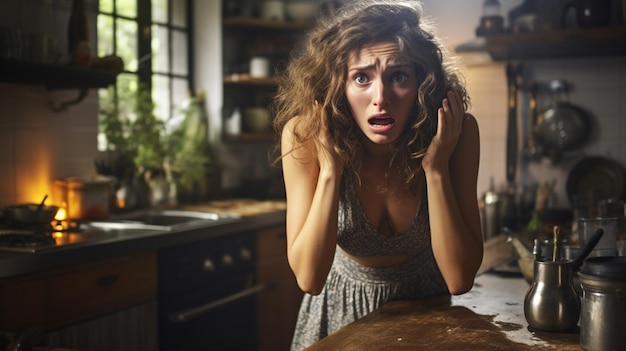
(551, 303)
(603, 310)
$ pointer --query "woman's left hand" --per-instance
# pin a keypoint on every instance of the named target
(450, 122)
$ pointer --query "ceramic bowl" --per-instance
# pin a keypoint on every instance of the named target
(301, 11)
(257, 120)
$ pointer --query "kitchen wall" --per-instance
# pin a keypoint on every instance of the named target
(40, 145)
(599, 86)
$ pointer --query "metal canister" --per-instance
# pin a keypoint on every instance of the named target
(603, 309)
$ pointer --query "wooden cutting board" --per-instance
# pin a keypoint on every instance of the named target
(243, 207)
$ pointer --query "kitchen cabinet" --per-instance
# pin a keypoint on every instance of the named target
(568, 43)
(278, 305)
(54, 76)
(64, 296)
(245, 37)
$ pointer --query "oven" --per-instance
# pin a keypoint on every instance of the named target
(207, 295)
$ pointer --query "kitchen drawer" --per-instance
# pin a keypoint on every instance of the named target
(100, 287)
(68, 295)
(272, 243)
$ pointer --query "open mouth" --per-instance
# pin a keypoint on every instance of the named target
(380, 122)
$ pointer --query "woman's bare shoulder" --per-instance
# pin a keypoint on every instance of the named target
(293, 142)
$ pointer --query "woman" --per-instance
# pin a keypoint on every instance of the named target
(380, 164)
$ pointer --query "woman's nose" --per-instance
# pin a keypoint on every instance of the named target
(379, 97)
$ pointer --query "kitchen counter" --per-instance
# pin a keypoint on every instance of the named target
(254, 215)
(489, 317)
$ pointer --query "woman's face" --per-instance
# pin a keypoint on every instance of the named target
(381, 90)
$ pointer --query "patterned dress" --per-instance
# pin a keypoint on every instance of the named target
(353, 290)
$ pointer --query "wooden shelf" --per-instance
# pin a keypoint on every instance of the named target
(245, 79)
(54, 76)
(254, 22)
(571, 43)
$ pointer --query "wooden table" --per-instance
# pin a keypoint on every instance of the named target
(489, 317)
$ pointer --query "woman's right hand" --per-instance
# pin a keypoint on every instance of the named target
(328, 155)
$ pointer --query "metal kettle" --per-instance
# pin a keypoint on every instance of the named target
(551, 303)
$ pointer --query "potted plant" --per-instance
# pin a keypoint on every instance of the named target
(135, 146)
(157, 162)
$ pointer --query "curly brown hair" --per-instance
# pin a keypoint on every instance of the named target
(318, 73)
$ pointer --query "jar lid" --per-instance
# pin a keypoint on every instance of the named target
(605, 267)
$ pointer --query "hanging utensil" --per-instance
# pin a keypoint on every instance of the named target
(533, 149)
(513, 75)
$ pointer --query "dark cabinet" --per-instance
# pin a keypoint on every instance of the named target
(569, 43)
(279, 302)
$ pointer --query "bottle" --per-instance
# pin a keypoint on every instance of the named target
(77, 34)
(491, 21)
(233, 123)
(491, 8)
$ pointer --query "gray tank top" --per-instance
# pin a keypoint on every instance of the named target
(357, 236)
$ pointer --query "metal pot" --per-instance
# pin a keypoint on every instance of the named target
(562, 126)
(603, 310)
(30, 214)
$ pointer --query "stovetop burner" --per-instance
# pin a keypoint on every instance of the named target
(20, 237)
(24, 239)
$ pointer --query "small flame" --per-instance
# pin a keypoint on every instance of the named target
(61, 214)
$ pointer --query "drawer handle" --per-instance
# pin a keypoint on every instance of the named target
(107, 279)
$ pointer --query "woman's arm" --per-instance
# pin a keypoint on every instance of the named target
(451, 168)
(312, 189)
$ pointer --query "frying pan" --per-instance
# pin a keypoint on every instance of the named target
(562, 126)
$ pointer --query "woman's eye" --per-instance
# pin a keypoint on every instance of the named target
(360, 79)
(399, 77)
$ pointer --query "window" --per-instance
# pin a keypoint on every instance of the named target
(154, 40)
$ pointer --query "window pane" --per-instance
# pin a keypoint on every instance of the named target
(106, 106)
(127, 43)
(127, 85)
(106, 6)
(160, 52)
(105, 35)
(179, 13)
(161, 96)
(180, 94)
(159, 11)
(126, 8)
(179, 52)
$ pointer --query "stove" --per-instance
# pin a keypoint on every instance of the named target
(37, 238)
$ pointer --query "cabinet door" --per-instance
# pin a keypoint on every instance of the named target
(61, 297)
(279, 303)
(96, 288)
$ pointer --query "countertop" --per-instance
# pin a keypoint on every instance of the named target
(488, 317)
(254, 214)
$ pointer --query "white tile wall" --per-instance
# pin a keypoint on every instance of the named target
(39, 145)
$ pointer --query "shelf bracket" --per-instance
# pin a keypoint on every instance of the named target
(63, 105)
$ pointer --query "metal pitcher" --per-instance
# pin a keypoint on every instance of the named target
(551, 303)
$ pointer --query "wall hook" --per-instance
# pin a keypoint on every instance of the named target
(63, 105)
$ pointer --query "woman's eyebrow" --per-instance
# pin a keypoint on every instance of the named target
(396, 65)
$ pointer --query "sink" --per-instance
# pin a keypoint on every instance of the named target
(171, 218)
(160, 220)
